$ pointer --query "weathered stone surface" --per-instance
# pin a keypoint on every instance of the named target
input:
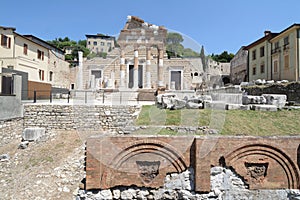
(116, 193)
(4, 157)
(249, 99)
(105, 194)
(127, 195)
(278, 100)
(216, 105)
(227, 98)
(80, 117)
(192, 105)
(254, 162)
(291, 90)
(33, 134)
(237, 107)
(23, 145)
(225, 184)
(264, 107)
(176, 104)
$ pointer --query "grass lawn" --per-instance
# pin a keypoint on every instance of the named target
(229, 122)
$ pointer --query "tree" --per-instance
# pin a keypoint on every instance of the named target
(174, 38)
(176, 49)
(223, 57)
(62, 43)
(203, 59)
(82, 43)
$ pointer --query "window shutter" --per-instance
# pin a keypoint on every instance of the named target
(9, 40)
(42, 75)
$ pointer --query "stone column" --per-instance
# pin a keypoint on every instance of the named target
(80, 71)
(112, 77)
(122, 69)
(136, 69)
(160, 68)
(148, 63)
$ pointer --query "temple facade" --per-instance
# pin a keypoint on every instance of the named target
(140, 61)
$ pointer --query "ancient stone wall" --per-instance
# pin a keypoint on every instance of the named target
(291, 90)
(10, 130)
(79, 117)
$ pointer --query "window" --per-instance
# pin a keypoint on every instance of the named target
(50, 76)
(276, 45)
(275, 66)
(96, 73)
(89, 42)
(109, 44)
(262, 51)
(254, 71)
(5, 41)
(286, 41)
(95, 43)
(262, 68)
(286, 61)
(25, 49)
(253, 54)
(41, 75)
(102, 43)
(40, 54)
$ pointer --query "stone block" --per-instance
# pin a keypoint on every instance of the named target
(264, 107)
(228, 98)
(192, 105)
(237, 107)
(250, 99)
(278, 100)
(215, 105)
(33, 134)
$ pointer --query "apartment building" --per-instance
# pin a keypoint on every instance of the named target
(42, 63)
(275, 56)
(100, 43)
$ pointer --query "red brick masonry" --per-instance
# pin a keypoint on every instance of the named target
(263, 162)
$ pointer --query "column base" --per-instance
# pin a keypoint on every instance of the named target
(160, 84)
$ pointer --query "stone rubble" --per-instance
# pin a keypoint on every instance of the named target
(225, 185)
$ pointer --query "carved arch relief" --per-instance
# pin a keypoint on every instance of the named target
(145, 159)
(264, 167)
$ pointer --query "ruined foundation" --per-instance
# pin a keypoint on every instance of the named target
(188, 167)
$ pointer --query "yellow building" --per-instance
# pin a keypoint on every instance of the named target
(275, 56)
(42, 63)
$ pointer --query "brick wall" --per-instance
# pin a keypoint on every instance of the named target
(144, 161)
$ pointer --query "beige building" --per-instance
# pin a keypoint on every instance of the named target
(238, 67)
(100, 43)
(275, 56)
(44, 64)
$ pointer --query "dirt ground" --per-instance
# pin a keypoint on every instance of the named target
(52, 169)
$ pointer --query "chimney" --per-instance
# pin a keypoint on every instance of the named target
(267, 32)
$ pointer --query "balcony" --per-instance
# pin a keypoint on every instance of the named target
(276, 50)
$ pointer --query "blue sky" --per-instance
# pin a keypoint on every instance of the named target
(217, 24)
